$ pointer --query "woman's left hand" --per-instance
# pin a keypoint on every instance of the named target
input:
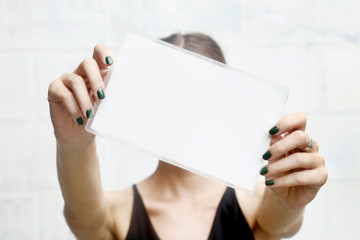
(295, 172)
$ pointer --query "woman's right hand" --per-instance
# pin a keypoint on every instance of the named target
(71, 97)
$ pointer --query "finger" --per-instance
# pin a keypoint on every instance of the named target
(89, 69)
(79, 89)
(314, 177)
(299, 160)
(290, 123)
(275, 139)
(103, 56)
(294, 141)
(59, 93)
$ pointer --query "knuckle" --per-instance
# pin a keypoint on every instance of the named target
(53, 85)
(315, 146)
(301, 137)
(88, 62)
(276, 148)
(325, 176)
(99, 47)
(322, 177)
(299, 159)
(65, 96)
(65, 76)
(301, 116)
(321, 160)
(298, 180)
(74, 80)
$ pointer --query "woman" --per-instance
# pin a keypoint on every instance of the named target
(174, 203)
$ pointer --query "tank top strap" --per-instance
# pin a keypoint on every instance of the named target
(229, 222)
(140, 224)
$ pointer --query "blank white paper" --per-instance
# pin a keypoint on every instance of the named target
(189, 111)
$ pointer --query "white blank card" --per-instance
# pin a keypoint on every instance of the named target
(188, 110)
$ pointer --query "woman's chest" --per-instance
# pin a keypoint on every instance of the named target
(185, 220)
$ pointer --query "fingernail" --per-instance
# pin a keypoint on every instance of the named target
(267, 155)
(274, 130)
(89, 113)
(100, 94)
(80, 121)
(264, 171)
(108, 60)
(269, 182)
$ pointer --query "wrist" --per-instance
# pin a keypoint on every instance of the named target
(77, 140)
(77, 145)
(280, 202)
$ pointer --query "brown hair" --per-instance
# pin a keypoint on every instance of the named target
(198, 43)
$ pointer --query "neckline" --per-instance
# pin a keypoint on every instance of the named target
(136, 191)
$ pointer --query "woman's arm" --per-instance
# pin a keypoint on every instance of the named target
(294, 174)
(85, 210)
(71, 98)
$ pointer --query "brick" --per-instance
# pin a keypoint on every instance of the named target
(320, 223)
(340, 196)
(16, 150)
(48, 24)
(339, 19)
(41, 172)
(340, 64)
(51, 211)
(268, 22)
(48, 66)
(344, 205)
(28, 160)
(19, 217)
(337, 135)
(16, 79)
(317, 217)
(164, 17)
(121, 166)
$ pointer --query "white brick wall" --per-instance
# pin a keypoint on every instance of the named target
(313, 47)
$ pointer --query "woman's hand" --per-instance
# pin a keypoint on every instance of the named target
(71, 97)
(294, 172)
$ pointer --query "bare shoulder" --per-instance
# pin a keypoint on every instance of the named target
(116, 198)
(120, 206)
(249, 203)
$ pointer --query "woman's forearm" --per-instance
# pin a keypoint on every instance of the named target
(276, 218)
(79, 178)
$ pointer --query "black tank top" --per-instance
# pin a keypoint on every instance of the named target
(229, 222)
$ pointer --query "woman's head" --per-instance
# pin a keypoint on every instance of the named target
(198, 43)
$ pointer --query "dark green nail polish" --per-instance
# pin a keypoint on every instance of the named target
(269, 182)
(100, 94)
(264, 171)
(108, 60)
(89, 113)
(80, 121)
(274, 130)
(266, 155)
